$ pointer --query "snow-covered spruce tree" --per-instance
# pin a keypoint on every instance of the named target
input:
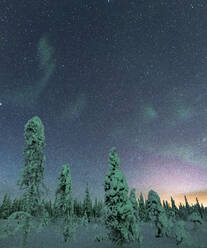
(157, 214)
(64, 202)
(196, 219)
(95, 208)
(64, 188)
(32, 174)
(88, 204)
(132, 198)
(174, 208)
(198, 208)
(172, 212)
(188, 208)
(163, 204)
(142, 209)
(118, 215)
(182, 236)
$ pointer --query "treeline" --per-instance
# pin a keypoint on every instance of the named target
(95, 210)
(92, 211)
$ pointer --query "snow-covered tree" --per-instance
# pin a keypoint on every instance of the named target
(64, 205)
(32, 174)
(167, 206)
(182, 236)
(63, 192)
(142, 209)
(174, 207)
(198, 208)
(23, 222)
(188, 208)
(119, 215)
(196, 219)
(157, 214)
(132, 198)
(88, 204)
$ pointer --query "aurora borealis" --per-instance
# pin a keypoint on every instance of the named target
(130, 74)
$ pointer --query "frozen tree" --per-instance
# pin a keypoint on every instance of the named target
(32, 174)
(182, 236)
(157, 214)
(64, 190)
(132, 198)
(174, 208)
(119, 215)
(88, 204)
(142, 209)
(164, 205)
(20, 220)
(198, 208)
(64, 202)
(167, 206)
(95, 208)
(188, 209)
(196, 219)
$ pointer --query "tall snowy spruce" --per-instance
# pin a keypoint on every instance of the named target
(32, 174)
(88, 204)
(64, 206)
(157, 214)
(118, 211)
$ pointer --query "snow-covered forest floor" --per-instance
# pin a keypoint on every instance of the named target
(51, 237)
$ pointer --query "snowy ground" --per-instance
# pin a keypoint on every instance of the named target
(50, 237)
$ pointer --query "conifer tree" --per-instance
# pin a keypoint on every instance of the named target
(134, 203)
(173, 213)
(187, 207)
(63, 195)
(164, 205)
(167, 206)
(64, 205)
(88, 204)
(32, 174)
(157, 214)
(119, 215)
(181, 234)
(95, 207)
(142, 209)
(198, 208)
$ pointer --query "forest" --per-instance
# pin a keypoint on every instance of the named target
(121, 219)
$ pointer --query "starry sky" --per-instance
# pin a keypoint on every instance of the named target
(125, 73)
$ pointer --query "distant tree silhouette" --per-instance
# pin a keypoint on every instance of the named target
(88, 204)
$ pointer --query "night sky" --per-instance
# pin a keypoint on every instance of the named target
(125, 73)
